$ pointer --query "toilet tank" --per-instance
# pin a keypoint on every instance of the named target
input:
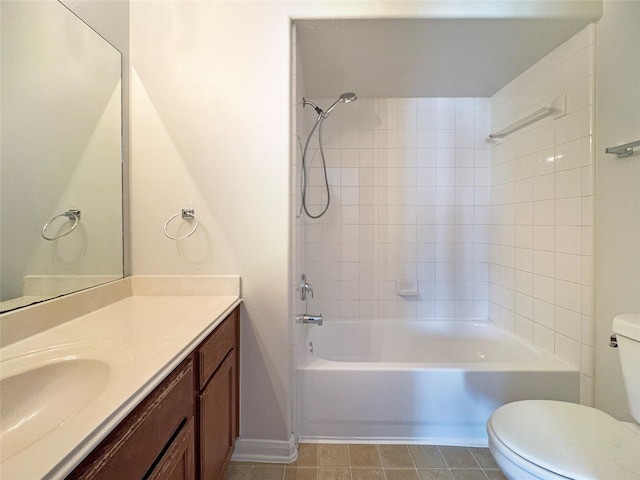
(627, 330)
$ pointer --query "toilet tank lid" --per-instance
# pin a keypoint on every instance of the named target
(627, 325)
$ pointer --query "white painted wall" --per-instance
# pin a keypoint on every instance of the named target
(298, 221)
(618, 190)
(210, 130)
(210, 117)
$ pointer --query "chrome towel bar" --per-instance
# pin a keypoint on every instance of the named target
(625, 150)
(557, 107)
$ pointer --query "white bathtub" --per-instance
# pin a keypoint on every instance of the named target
(418, 381)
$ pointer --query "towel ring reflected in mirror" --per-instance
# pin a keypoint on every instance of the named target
(72, 214)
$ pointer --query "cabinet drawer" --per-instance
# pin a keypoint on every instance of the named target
(214, 350)
(133, 447)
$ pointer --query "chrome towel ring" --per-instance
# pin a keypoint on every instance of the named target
(72, 214)
(186, 213)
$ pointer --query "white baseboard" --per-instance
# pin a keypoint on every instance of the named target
(267, 451)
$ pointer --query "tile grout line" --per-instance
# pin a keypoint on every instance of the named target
(384, 473)
(350, 466)
(415, 467)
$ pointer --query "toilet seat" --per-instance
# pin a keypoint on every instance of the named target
(565, 440)
(515, 467)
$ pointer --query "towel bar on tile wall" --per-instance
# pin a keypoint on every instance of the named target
(187, 214)
(624, 150)
(556, 107)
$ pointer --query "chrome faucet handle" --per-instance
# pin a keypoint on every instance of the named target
(305, 288)
(308, 289)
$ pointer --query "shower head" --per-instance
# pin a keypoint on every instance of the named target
(344, 98)
(348, 97)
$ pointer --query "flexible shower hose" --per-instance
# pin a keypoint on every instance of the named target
(319, 121)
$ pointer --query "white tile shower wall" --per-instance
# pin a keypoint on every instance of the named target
(542, 209)
(409, 185)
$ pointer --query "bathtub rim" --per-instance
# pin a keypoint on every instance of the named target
(544, 361)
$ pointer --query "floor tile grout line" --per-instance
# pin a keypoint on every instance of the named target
(415, 467)
(350, 466)
(384, 474)
(444, 459)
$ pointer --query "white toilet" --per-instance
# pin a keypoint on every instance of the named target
(549, 440)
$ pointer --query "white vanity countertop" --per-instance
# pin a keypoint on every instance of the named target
(142, 338)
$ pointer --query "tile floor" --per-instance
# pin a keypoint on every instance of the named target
(375, 462)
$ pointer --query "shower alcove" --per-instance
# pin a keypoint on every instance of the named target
(497, 232)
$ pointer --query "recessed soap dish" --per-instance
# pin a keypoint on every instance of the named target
(407, 288)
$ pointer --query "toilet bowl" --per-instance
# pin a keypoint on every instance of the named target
(551, 440)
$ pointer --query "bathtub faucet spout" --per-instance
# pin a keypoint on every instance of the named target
(306, 318)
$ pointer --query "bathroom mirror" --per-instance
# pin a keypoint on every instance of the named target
(61, 137)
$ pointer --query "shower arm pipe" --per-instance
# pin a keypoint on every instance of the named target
(319, 111)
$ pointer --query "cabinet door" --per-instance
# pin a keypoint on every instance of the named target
(217, 414)
(178, 462)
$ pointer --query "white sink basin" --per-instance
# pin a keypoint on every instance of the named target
(43, 389)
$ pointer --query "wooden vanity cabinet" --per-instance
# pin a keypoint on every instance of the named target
(217, 398)
(155, 440)
(186, 428)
